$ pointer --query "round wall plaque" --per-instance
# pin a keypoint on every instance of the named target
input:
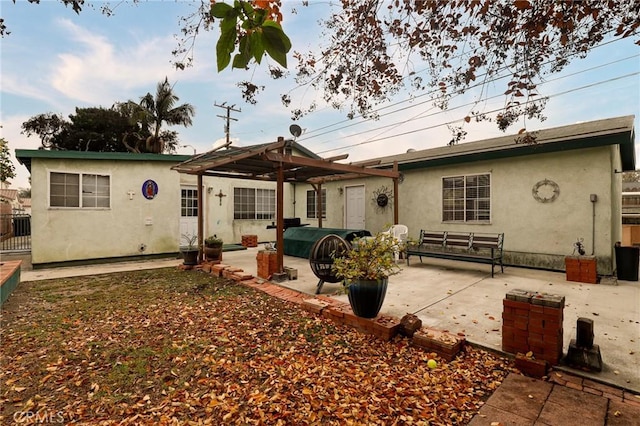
(545, 191)
(149, 189)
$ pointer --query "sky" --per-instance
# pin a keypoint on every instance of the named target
(55, 60)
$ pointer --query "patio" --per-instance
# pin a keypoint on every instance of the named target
(463, 298)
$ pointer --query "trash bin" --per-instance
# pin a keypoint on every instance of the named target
(21, 226)
(627, 262)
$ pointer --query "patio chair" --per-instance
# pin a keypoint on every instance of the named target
(399, 233)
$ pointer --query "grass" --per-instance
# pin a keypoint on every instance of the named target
(168, 347)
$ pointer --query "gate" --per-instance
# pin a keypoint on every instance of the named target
(15, 232)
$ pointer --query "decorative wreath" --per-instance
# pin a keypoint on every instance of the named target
(545, 191)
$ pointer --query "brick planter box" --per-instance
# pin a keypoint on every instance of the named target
(267, 263)
(532, 322)
(581, 269)
(249, 240)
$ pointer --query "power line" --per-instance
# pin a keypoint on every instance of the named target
(492, 111)
(310, 135)
(388, 127)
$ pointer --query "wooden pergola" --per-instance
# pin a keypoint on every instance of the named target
(276, 162)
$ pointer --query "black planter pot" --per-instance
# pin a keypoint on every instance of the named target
(366, 296)
(190, 257)
(213, 252)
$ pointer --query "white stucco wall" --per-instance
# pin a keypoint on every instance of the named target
(65, 234)
(536, 234)
(218, 211)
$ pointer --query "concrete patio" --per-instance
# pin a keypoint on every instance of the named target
(463, 298)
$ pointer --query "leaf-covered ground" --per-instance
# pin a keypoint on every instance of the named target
(174, 347)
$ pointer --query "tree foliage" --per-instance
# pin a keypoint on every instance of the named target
(7, 169)
(150, 114)
(376, 48)
(125, 127)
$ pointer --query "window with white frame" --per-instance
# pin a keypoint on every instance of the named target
(79, 190)
(312, 202)
(254, 203)
(189, 202)
(466, 198)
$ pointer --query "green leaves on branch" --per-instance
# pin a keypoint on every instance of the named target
(248, 28)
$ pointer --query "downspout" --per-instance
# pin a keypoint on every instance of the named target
(293, 184)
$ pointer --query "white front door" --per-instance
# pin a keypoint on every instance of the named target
(354, 207)
(188, 213)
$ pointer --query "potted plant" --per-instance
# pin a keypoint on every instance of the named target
(190, 250)
(366, 268)
(213, 248)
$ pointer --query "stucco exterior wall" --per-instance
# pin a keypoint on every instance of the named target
(536, 234)
(218, 211)
(66, 234)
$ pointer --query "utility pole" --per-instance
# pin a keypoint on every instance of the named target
(228, 117)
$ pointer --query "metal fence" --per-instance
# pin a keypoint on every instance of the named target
(15, 232)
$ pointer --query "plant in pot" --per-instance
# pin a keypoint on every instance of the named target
(366, 269)
(189, 250)
(213, 248)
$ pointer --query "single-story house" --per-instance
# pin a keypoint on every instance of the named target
(543, 196)
(100, 206)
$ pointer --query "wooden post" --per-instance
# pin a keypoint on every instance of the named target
(319, 203)
(395, 194)
(280, 213)
(200, 220)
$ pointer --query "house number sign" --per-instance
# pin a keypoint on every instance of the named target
(545, 191)
(149, 189)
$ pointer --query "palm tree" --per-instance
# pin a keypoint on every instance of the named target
(152, 112)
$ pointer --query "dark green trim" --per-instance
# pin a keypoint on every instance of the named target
(106, 260)
(625, 140)
(10, 283)
(25, 156)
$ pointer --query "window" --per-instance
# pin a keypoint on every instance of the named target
(312, 202)
(253, 203)
(189, 203)
(466, 198)
(79, 190)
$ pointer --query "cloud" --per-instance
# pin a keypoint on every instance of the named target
(101, 71)
(10, 131)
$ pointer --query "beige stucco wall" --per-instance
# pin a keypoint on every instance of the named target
(218, 211)
(65, 234)
(536, 234)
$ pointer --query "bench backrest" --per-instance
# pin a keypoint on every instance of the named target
(493, 241)
(459, 239)
(466, 240)
(432, 237)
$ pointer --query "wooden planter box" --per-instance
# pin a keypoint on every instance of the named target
(581, 269)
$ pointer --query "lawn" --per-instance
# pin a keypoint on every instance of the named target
(167, 346)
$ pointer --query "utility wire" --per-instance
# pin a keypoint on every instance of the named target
(492, 111)
(364, 120)
(388, 127)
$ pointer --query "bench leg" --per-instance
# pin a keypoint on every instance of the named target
(319, 286)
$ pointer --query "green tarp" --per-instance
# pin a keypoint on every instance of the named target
(299, 241)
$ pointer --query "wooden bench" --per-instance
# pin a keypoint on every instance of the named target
(466, 246)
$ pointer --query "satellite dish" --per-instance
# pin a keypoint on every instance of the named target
(295, 130)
